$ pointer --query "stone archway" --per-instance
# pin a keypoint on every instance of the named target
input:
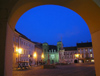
(11, 11)
(75, 61)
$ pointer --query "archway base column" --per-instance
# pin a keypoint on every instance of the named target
(96, 50)
(9, 52)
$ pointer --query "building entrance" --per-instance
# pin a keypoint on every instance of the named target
(75, 61)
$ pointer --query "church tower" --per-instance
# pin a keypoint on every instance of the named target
(45, 47)
(59, 46)
(45, 51)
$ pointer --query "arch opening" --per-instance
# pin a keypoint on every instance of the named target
(87, 16)
(52, 61)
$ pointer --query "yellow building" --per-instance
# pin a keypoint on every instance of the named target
(23, 49)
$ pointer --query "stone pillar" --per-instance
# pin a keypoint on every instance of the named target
(9, 52)
(96, 50)
(2, 45)
(5, 44)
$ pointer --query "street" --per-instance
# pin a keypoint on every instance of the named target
(84, 69)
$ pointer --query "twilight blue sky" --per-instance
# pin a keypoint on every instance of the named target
(48, 23)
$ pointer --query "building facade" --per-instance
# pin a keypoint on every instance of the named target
(69, 54)
(23, 50)
(39, 51)
(81, 53)
(86, 52)
(51, 53)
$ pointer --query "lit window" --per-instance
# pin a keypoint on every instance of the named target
(85, 49)
(92, 60)
(90, 50)
(80, 61)
(90, 55)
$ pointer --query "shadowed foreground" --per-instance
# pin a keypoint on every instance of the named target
(61, 70)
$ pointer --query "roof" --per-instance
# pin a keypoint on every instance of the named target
(70, 48)
(88, 44)
(23, 36)
(52, 47)
(37, 44)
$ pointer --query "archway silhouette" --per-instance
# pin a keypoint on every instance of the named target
(75, 61)
(87, 9)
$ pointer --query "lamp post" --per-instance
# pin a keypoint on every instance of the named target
(19, 51)
(77, 55)
(42, 57)
(35, 57)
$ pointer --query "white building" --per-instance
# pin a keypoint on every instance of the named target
(86, 52)
(82, 53)
(69, 54)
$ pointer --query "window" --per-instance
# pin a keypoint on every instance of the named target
(82, 50)
(13, 49)
(90, 50)
(16, 60)
(82, 56)
(16, 40)
(64, 53)
(13, 38)
(85, 49)
(52, 50)
(86, 55)
(24, 52)
(44, 50)
(21, 42)
(24, 43)
(79, 50)
(90, 55)
(92, 60)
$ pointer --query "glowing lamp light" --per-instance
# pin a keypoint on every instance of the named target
(42, 56)
(28, 55)
(77, 55)
(16, 49)
(35, 55)
(20, 51)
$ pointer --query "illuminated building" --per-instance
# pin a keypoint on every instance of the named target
(27, 49)
(51, 52)
(86, 52)
(60, 54)
(69, 54)
(39, 51)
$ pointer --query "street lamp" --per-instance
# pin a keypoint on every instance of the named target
(42, 56)
(19, 51)
(35, 56)
(77, 55)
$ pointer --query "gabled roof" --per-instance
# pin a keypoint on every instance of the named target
(88, 44)
(70, 48)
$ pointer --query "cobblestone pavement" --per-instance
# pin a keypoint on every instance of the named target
(61, 70)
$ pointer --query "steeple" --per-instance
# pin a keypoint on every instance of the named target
(61, 44)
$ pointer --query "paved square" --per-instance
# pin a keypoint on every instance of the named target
(86, 69)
